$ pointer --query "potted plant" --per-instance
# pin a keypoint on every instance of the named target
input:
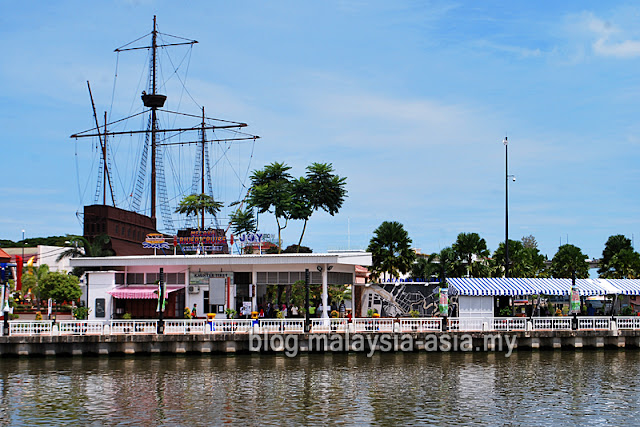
(231, 314)
(186, 313)
(127, 328)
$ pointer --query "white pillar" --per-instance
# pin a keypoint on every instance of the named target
(325, 293)
(254, 298)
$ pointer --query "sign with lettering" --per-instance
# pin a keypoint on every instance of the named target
(443, 304)
(155, 241)
(251, 237)
(207, 240)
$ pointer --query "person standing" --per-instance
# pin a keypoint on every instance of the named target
(342, 309)
(194, 314)
(294, 311)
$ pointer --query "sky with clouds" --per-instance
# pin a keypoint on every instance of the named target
(409, 100)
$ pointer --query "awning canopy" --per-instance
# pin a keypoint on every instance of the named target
(469, 286)
(625, 286)
(141, 292)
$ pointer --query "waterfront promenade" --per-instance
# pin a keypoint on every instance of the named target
(45, 338)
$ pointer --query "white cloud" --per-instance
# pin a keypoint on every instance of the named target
(611, 40)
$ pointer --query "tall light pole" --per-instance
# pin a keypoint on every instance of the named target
(22, 247)
(506, 207)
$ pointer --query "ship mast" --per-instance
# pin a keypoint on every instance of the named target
(154, 101)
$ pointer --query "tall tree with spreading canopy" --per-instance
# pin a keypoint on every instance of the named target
(271, 191)
(624, 265)
(391, 252)
(568, 259)
(325, 190)
(466, 247)
(614, 245)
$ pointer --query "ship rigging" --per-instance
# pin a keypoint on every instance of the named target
(157, 138)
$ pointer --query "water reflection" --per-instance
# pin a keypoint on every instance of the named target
(542, 387)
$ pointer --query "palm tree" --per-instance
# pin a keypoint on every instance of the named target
(243, 221)
(467, 246)
(567, 260)
(199, 204)
(82, 247)
(32, 279)
(390, 249)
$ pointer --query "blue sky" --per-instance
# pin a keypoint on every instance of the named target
(409, 100)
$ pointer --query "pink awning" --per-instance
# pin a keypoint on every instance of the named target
(141, 292)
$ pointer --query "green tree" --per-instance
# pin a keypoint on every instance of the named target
(197, 205)
(391, 251)
(524, 261)
(468, 246)
(423, 269)
(60, 287)
(295, 249)
(32, 278)
(324, 190)
(568, 259)
(529, 241)
(271, 191)
(100, 246)
(624, 265)
(614, 245)
(243, 221)
(448, 264)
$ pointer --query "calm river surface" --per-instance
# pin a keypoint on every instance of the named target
(528, 388)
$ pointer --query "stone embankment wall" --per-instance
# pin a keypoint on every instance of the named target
(292, 344)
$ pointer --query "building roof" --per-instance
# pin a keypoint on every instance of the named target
(224, 260)
(537, 286)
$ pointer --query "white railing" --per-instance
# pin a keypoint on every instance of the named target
(373, 325)
(133, 327)
(628, 322)
(468, 324)
(360, 325)
(421, 325)
(591, 322)
(282, 325)
(329, 325)
(184, 326)
(506, 324)
(229, 326)
(551, 323)
(35, 327)
(80, 327)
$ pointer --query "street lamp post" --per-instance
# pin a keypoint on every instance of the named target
(22, 247)
(506, 206)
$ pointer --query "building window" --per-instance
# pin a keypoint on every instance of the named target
(135, 278)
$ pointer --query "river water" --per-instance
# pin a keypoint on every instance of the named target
(586, 387)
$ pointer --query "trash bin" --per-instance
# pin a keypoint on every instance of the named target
(211, 327)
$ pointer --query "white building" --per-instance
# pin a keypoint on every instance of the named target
(118, 285)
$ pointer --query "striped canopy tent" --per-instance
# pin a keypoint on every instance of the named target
(469, 286)
(624, 286)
